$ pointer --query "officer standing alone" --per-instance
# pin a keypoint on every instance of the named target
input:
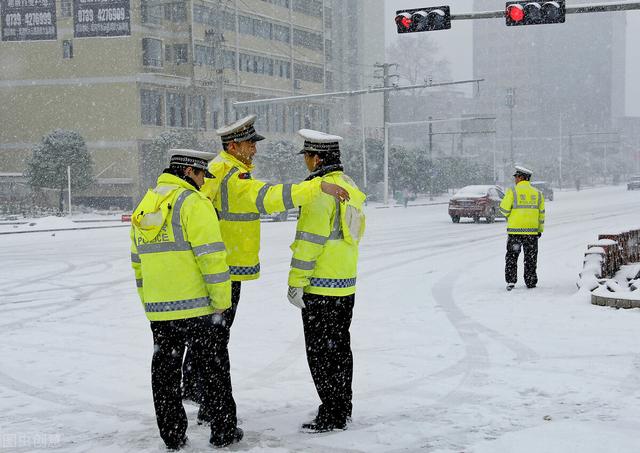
(523, 206)
(322, 280)
(181, 272)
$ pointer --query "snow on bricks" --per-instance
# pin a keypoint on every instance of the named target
(611, 270)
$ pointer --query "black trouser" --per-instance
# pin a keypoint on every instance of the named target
(326, 321)
(195, 375)
(514, 244)
(207, 344)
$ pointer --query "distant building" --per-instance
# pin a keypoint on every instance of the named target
(567, 79)
(181, 68)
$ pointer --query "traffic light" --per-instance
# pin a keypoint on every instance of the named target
(535, 13)
(423, 19)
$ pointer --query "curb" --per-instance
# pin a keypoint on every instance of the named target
(65, 229)
(412, 205)
(614, 302)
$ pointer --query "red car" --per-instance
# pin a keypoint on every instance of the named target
(476, 202)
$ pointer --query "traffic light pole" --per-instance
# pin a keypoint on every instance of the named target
(577, 9)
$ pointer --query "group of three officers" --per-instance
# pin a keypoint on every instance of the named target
(196, 237)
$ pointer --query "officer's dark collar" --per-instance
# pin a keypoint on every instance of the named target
(321, 171)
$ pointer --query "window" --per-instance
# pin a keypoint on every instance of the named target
(151, 107)
(229, 21)
(328, 18)
(308, 73)
(282, 69)
(229, 59)
(197, 112)
(167, 54)
(203, 55)
(175, 12)
(66, 8)
(176, 110)
(245, 25)
(151, 12)
(215, 114)
(328, 77)
(307, 39)
(281, 33)
(328, 50)
(182, 53)
(283, 3)
(67, 49)
(262, 28)
(308, 7)
(152, 52)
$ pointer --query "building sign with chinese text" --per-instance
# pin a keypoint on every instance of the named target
(28, 20)
(93, 18)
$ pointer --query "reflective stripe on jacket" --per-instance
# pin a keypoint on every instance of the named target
(523, 206)
(325, 250)
(177, 253)
(239, 201)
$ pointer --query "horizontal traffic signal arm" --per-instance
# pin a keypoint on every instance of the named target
(423, 19)
(501, 14)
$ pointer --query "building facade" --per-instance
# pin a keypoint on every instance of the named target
(181, 67)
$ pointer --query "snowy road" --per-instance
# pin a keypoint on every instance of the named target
(445, 359)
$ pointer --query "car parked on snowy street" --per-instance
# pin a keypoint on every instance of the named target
(545, 188)
(476, 202)
(634, 183)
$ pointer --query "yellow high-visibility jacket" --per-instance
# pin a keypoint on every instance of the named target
(177, 253)
(523, 206)
(325, 251)
(239, 200)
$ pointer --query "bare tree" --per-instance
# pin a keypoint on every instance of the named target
(418, 60)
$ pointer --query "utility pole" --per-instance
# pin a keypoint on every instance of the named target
(69, 186)
(560, 159)
(430, 137)
(387, 119)
(364, 144)
(511, 102)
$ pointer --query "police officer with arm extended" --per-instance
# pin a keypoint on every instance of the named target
(322, 280)
(182, 276)
(239, 199)
(523, 206)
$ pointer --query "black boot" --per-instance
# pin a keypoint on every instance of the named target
(316, 426)
(225, 440)
(178, 445)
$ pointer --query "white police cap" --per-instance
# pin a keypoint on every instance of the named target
(319, 142)
(192, 158)
(240, 131)
(522, 171)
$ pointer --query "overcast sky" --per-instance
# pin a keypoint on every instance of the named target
(457, 44)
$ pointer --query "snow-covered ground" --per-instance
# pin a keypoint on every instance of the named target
(445, 359)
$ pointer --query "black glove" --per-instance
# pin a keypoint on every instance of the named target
(539, 235)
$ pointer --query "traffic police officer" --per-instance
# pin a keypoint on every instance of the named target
(239, 200)
(523, 206)
(322, 280)
(183, 282)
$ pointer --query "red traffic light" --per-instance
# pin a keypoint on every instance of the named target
(432, 18)
(403, 22)
(515, 13)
